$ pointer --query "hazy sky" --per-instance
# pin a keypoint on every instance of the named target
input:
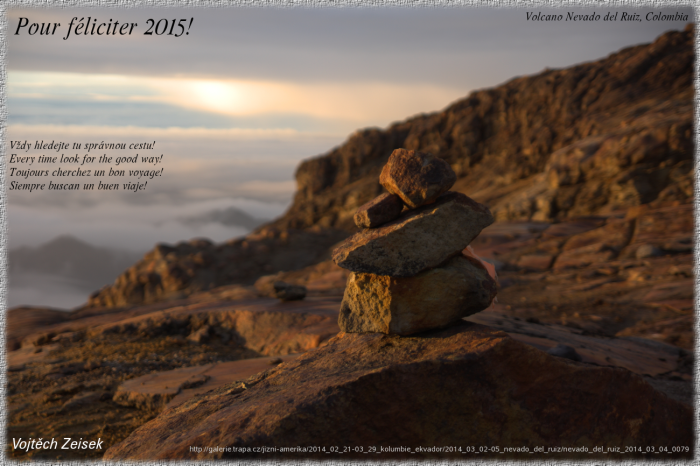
(235, 105)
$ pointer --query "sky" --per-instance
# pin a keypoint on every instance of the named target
(236, 104)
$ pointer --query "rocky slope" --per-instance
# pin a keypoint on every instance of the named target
(596, 137)
(590, 139)
(104, 374)
(171, 272)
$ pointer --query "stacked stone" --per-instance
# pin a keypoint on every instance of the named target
(409, 273)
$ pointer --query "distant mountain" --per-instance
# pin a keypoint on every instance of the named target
(70, 257)
(590, 139)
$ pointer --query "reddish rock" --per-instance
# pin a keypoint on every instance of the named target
(155, 391)
(265, 325)
(378, 211)
(431, 299)
(423, 238)
(464, 386)
(417, 177)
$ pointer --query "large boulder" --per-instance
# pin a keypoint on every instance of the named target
(422, 238)
(431, 299)
(466, 386)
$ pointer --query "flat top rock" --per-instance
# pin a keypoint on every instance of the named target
(422, 238)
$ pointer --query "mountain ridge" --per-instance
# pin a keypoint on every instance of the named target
(592, 139)
(518, 125)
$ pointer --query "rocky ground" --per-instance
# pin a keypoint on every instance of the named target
(617, 288)
(65, 379)
(467, 387)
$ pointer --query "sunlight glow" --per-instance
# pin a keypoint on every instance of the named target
(367, 103)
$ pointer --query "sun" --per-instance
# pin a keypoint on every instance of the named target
(217, 96)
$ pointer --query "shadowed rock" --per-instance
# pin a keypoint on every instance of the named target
(423, 238)
(288, 292)
(431, 299)
(417, 177)
(465, 385)
(564, 351)
(378, 211)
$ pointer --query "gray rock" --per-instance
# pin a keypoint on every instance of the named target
(421, 239)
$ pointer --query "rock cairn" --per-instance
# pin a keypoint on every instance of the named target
(409, 272)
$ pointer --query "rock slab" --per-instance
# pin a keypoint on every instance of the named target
(417, 177)
(465, 385)
(434, 298)
(380, 210)
(423, 238)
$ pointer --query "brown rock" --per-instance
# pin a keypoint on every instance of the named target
(378, 211)
(288, 292)
(265, 326)
(465, 385)
(154, 391)
(423, 238)
(22, 321)
(638, 355)
(417, 177)
(81, 400)
(431, 299)
(322, 279)
(223, 373)
(200, 335)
